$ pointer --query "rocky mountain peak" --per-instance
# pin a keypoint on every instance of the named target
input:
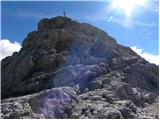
(63, 52)
(56, 22)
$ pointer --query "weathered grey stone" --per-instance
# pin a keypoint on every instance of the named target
(111, 80)
(50, 103)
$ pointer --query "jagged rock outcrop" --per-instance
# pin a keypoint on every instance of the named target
(104, 79)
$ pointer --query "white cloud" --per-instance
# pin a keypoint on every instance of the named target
(149, 57)
(7, 48)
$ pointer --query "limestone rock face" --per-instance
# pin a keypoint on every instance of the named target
(103, 79)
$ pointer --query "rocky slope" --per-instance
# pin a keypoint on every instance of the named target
(68, 69)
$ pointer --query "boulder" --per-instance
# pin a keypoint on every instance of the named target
(51, 103)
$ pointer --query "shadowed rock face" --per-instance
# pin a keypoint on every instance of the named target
(64, 52)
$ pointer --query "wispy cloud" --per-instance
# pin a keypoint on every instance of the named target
(108, 15)
(32, 14)
(152, 6)
(149, 57)
(142, 23)
(124, 22)
(7, 48)
(104, 14)
(129, 23)
(27, 14)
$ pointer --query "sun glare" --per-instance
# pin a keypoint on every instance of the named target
(126, 5)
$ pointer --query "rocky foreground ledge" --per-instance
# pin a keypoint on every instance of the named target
(68, 69)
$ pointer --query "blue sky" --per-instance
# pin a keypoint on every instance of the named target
(140, 29)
